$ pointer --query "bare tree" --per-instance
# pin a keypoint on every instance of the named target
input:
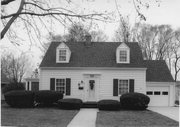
(35, 16)
(76, 32)
(165, 35)
(14, 68)
(146, 36)
(155, 41)
(98, 36)
(123, 33)
(176, 54)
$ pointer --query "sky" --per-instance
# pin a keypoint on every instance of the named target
(165, 13)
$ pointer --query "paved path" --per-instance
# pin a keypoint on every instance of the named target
(171, 112)
(84, 118)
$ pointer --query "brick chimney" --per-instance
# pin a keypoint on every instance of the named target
(88, 40)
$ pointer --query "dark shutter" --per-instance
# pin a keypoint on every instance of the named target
(28, 86)
(115, 87)
(68, 86)
(52, 84)
(131, 85)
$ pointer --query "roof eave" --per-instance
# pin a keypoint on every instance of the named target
(97, 68)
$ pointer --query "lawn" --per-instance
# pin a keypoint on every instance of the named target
(35, 117)
(133, 119)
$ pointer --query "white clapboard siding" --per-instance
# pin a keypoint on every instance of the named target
(105, 88)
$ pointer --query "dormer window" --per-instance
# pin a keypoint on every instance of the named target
(123, 54)
(63, 53)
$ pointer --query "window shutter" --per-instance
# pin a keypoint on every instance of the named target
(52, 84)
(28, 85)
(68, 86)
(131, 85)
(115, 87)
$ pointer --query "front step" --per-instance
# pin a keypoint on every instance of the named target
(89, 104)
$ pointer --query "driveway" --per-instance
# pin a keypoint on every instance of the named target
(171, 112)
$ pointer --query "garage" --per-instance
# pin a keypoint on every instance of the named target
(159, 96)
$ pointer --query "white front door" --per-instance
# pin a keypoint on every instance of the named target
(91, 89)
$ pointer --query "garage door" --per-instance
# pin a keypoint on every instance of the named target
(159, 96)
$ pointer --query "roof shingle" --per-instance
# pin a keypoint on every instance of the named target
(99, 54)
(157, 71)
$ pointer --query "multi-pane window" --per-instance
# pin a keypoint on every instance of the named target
(60, 85)
(149, 92)
(123, 86)
(123, 56)
(62, 55)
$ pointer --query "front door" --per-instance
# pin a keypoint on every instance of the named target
(91, 88)
(34, 86)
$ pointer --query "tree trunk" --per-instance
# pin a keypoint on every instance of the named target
(6, 28)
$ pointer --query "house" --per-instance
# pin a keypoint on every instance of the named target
(4, 82)
(105, 70)
(32, 84)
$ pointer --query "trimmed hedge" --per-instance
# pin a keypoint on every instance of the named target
(47, 97)
(70, 103)
(20, 98)
(177, 102)
(13, 86)
(134, 101)
(109, 105)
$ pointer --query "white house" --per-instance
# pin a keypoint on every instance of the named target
(104, 70)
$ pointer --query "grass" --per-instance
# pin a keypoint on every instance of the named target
(35, 117)
(133, 119)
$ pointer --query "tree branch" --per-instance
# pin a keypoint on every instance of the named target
(5, 2)
(5, 29)
(51, 13)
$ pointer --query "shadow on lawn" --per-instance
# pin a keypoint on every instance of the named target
(36, 117)
(125, 118)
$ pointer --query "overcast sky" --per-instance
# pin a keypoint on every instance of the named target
(167, 13)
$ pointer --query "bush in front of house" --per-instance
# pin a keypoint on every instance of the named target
(109, 105)
(134, 101)
(70, 103)
(47, 97)
(176, 102)
(20, 98)
(13, 86)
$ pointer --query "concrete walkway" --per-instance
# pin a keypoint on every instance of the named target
(85, 118)
(171, 112)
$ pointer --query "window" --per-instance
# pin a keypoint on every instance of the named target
(123, 56)
(62, 55)
(157, 93)
(123, 86)
(60, 85)
(149, 93)
(164, 93)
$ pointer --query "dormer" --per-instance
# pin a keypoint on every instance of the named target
(63, 53)
(123, 54)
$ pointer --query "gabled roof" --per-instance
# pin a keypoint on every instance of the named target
(99, 54)
(157, 71)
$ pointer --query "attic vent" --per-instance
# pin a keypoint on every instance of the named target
(88, 40)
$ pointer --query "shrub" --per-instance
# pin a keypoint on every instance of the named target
(108, 105)
(70, 103)
(20, 98)
(47, 97)
(134, 101)
(177, 102)
(13, 86)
